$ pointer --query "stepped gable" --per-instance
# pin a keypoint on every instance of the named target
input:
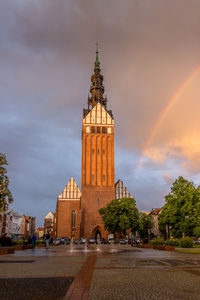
(121, 190)
(71, 191)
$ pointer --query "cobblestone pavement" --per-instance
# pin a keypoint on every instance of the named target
(146, 274)
(120, 272)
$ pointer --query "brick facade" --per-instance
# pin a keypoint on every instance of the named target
(97, 169)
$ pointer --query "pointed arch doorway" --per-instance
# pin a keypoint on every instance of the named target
(96, 233)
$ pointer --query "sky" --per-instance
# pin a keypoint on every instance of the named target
(150, 59)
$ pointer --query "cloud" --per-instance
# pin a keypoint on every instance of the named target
(147, 50)
(168, 178)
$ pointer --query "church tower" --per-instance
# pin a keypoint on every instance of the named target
(98, 171)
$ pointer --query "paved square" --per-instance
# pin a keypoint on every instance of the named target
(119, 272)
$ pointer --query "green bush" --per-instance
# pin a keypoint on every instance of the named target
(5, 241)
(173, 242)
(14, 242)
(21, 242)
(196, 232)
(39, 242)
(186, 242)
(157, 241)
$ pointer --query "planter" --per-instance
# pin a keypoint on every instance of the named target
(165, 248)
(159, 247)
(169, 248)
(145, 246)
(6, 250)
(41, 245)
(29, 246)
(18, 247)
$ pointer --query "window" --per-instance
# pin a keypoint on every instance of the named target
(73, 218)
(92, 151)
(88, 129)
(93, 129)
(98, 129)
(92, 177)
(103, 151)
(103, 129)
(103, 177)
(98, 151)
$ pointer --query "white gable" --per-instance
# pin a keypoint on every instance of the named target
(50, 215)
(71, 191)
(98, 116)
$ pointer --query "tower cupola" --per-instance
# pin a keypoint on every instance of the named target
(96, 88)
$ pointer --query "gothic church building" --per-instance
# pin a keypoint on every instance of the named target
(77, 211)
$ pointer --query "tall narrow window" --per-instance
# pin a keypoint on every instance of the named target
(103, 129)
(98, 129)
(73, 218)
(93, 129)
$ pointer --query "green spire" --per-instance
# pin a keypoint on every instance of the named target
(97, 63)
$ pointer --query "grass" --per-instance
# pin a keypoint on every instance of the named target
(191, 250)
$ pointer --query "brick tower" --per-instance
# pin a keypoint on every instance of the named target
(98, 169)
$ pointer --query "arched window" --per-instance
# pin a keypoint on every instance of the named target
(73, 218)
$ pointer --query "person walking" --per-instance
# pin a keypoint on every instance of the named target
(33, 240)
(47, 240)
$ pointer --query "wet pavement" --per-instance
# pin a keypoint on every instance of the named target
(119, 272)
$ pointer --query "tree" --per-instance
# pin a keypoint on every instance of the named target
(181, 212)
(5, 194)
(146, 223)
(120, 215)
(196, 232)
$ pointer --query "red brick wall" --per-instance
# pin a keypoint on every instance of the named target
(64, 218)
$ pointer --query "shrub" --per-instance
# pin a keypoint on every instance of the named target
(5, 241)
(39, 242)
(196, 232)
(158, 241)
(14, 242)
(173, 242)
(21, 242)
(186, 242)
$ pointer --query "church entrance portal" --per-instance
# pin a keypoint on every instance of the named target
(96, 233)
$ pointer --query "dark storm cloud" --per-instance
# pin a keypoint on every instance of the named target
(147, 49)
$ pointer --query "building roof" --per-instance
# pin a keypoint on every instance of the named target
(40, 228)
(155, 211)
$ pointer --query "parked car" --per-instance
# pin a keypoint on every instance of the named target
(65, 240)
(56, 241)
(102, 241)
(122, 242)
(197, 242)
(83, 240)
(111, 241)
(77, 241)
(92, 241)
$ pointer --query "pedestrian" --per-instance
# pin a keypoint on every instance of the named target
(33, 240)
(47, 240)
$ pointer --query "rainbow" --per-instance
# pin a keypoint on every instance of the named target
(164, 113)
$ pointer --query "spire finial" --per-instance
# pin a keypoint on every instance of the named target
(97, 63)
